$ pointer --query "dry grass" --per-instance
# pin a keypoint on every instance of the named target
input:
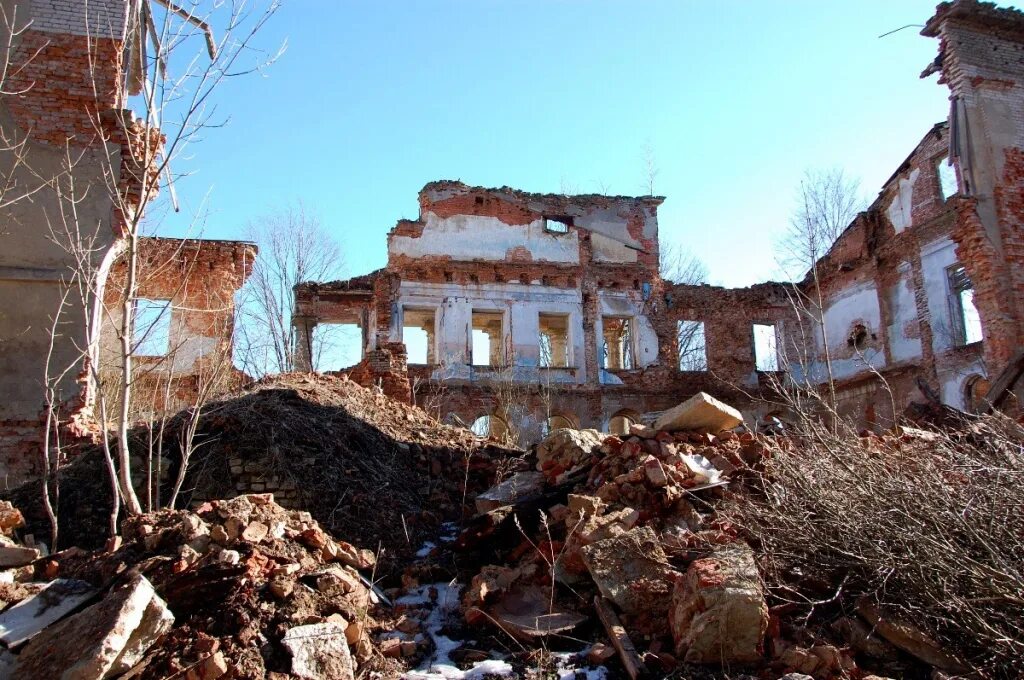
(932, 528)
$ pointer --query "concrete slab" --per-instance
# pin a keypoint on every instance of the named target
(701, 412)
(26, 619)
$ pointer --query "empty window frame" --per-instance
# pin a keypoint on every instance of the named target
(151, 328)
(617, 346)
(418, 332)
(487, 347)
(621, 422)
(766, 353)
(553, 340)
(491, 426)
(947, 177)
(690, 345)
(964, 314)
(557, 225)
(335, 346)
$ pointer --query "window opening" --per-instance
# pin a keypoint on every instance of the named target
(554, 340)
(766, 355)
(151, 328)
(418, 335)
(617, 349)
(691, 346)
(488, 334)
(965, 314)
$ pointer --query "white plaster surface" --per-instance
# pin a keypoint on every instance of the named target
(901, 208)
(473, 237)
(935, 258)
(903, 311)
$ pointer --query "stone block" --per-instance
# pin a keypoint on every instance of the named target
(701, 412)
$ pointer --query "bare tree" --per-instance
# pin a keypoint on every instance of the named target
(174, 66)
(294, 248)
(677, 264)
(827, 202)
(650, 168)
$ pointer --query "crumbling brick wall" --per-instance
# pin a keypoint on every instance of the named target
(199, 280)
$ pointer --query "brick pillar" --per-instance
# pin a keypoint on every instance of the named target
(303, 327)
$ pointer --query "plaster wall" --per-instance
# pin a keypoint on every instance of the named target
(477, 237)
(901, 208)
(903, 332)
(936, 257)
(857, 305)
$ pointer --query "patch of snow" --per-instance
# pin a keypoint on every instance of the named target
(449, 532)
(440, 665)
(425, 550)
(567, 671)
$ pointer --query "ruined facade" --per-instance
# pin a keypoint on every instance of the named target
(534, 311)
(73, 170)
(184, 324)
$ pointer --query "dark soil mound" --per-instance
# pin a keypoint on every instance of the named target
(380, 472)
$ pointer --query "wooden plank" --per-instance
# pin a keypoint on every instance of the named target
(620, 639)
(1004, 382)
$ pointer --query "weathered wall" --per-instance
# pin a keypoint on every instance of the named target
(62, 105)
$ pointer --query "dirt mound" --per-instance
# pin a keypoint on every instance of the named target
(382, 472)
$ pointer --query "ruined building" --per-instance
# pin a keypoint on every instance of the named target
(534, 311)
(71, 171)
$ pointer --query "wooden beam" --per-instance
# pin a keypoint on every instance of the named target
(620, 639)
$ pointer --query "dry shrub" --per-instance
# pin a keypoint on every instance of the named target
(931, 527)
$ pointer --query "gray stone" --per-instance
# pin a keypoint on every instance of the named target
(17, 556)
(632, 571)
(519, 485)
(27, 618)
(719, 614)
(98, 641)
(320, 652)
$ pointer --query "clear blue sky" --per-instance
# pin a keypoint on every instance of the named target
(372, 100)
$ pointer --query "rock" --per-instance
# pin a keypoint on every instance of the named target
(212, 667)
(337, 581)
(860, 636)
(719, 614)
(909, 638)
(10, 518)
(157, 619)
(599, 654)
(101, 640)
(519, 485)
(27, 618)
(632, 571)
(584, 505)
(17, 556)
(700, 412)
(564, 448)
(255, 532)
(391, 648)
(319, 652)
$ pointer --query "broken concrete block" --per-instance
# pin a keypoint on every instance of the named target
(700, 412)
(564, 448)
(90, 644)
(632, 571)
(319, 652)
(17, 556)
(27, 618)
(10, 518)
(519, 485)
(157, 619)
(719, 614)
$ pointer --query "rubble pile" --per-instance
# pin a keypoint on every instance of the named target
(241, 588)
(618, 540)
(319, 443)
